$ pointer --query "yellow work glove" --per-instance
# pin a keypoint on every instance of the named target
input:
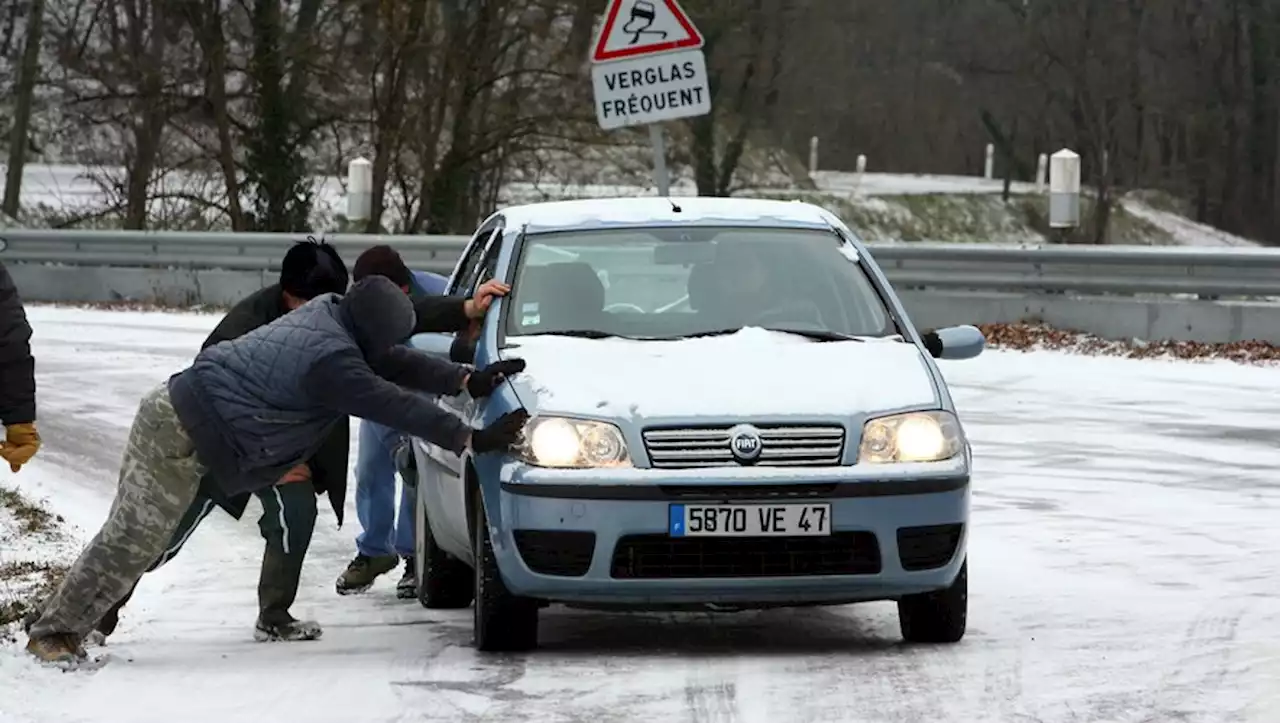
(21, 443)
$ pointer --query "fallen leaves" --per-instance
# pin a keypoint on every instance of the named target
(1030, 336)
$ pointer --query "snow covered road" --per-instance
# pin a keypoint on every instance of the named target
(1124, 567)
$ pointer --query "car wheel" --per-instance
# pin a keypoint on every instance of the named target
(503, 622)
(939, 616)
(444, 582)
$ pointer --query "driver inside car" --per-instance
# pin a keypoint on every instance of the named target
(737, 289)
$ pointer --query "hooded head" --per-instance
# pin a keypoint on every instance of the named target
(378, 313)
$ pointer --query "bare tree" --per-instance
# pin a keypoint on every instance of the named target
(19, 139)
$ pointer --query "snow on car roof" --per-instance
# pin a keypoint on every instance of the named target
(659, 211)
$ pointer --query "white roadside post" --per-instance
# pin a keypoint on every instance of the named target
(859, 169)
(1042, 171)
(813, 156)
(648, 67)
(1064, 191)
(359, 190)
(989, 168)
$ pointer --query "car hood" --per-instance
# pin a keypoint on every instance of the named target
(751, 373)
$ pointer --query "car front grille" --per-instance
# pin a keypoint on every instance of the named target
(926, 548)
(780, 446)
(654, 557)
(562, 553)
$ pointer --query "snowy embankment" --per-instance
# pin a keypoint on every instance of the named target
(881, 206)
(1122, 568)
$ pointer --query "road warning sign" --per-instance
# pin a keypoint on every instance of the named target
(636, 28)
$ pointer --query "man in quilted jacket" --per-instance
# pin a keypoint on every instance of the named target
(249, 410)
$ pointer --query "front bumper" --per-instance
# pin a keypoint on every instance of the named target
(600, 537)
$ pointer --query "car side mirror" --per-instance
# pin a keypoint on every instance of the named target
(960, 342)
(432, 343)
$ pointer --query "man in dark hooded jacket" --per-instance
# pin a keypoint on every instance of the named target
(249, 410)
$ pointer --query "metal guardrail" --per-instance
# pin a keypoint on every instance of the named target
(208, 250)
(1220, 272)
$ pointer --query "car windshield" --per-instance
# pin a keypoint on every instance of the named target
(667, 283)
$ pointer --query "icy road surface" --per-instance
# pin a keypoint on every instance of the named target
(1124, 567)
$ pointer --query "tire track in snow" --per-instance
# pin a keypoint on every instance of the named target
(1202, 664)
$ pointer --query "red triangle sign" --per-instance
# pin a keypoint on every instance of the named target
(634, 28)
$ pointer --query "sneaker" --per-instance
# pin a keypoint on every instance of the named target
(407, 588)
(362, 571)
(61, 649)
(290, 631)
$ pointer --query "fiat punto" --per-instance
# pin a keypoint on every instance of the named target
(730, 409)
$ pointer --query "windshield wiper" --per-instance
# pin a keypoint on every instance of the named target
(819, 334)
(577, 333)
(816, 334)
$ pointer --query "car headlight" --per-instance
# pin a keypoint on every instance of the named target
(911, 437)
(573, 443)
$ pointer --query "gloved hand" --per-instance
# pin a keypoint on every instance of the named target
(501, 435)
(21, 443)
(482, 382)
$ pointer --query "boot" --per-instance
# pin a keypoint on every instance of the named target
(407, 588)
(61, 649)
(286, 630)
(362, 571)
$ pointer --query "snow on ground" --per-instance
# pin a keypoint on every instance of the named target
(900, 184)
(1184, 230)
(1123, 569)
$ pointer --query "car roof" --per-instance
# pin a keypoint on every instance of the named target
(601, 213)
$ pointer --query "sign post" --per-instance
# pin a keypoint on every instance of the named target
(648, 67)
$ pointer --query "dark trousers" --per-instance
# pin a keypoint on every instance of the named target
(287, 522)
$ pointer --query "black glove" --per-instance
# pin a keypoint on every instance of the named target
(502, 434)
(933, 343)
(482, 382)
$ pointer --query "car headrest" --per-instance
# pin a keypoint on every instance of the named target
(703, 286)
(566, 295)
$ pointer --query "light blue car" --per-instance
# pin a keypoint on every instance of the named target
(730, 410)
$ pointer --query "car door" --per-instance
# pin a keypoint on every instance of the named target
(447, 479)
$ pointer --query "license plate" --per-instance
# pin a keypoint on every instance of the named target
(810, 520)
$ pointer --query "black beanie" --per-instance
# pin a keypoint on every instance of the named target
(312, 268)
(378, 314)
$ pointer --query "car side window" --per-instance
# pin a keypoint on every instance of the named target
(464, 274)
(488, 266)
(470, 273)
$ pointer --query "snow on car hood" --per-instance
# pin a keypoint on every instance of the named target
(753, 372)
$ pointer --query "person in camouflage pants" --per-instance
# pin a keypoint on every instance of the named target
(250, 410)
(159, 477)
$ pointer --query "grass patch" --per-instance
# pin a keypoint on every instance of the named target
(25, 582)
(36, 580)
(33, 520)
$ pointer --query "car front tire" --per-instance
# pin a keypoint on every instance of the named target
(939, 616)
(503, 622)
(444, 582)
